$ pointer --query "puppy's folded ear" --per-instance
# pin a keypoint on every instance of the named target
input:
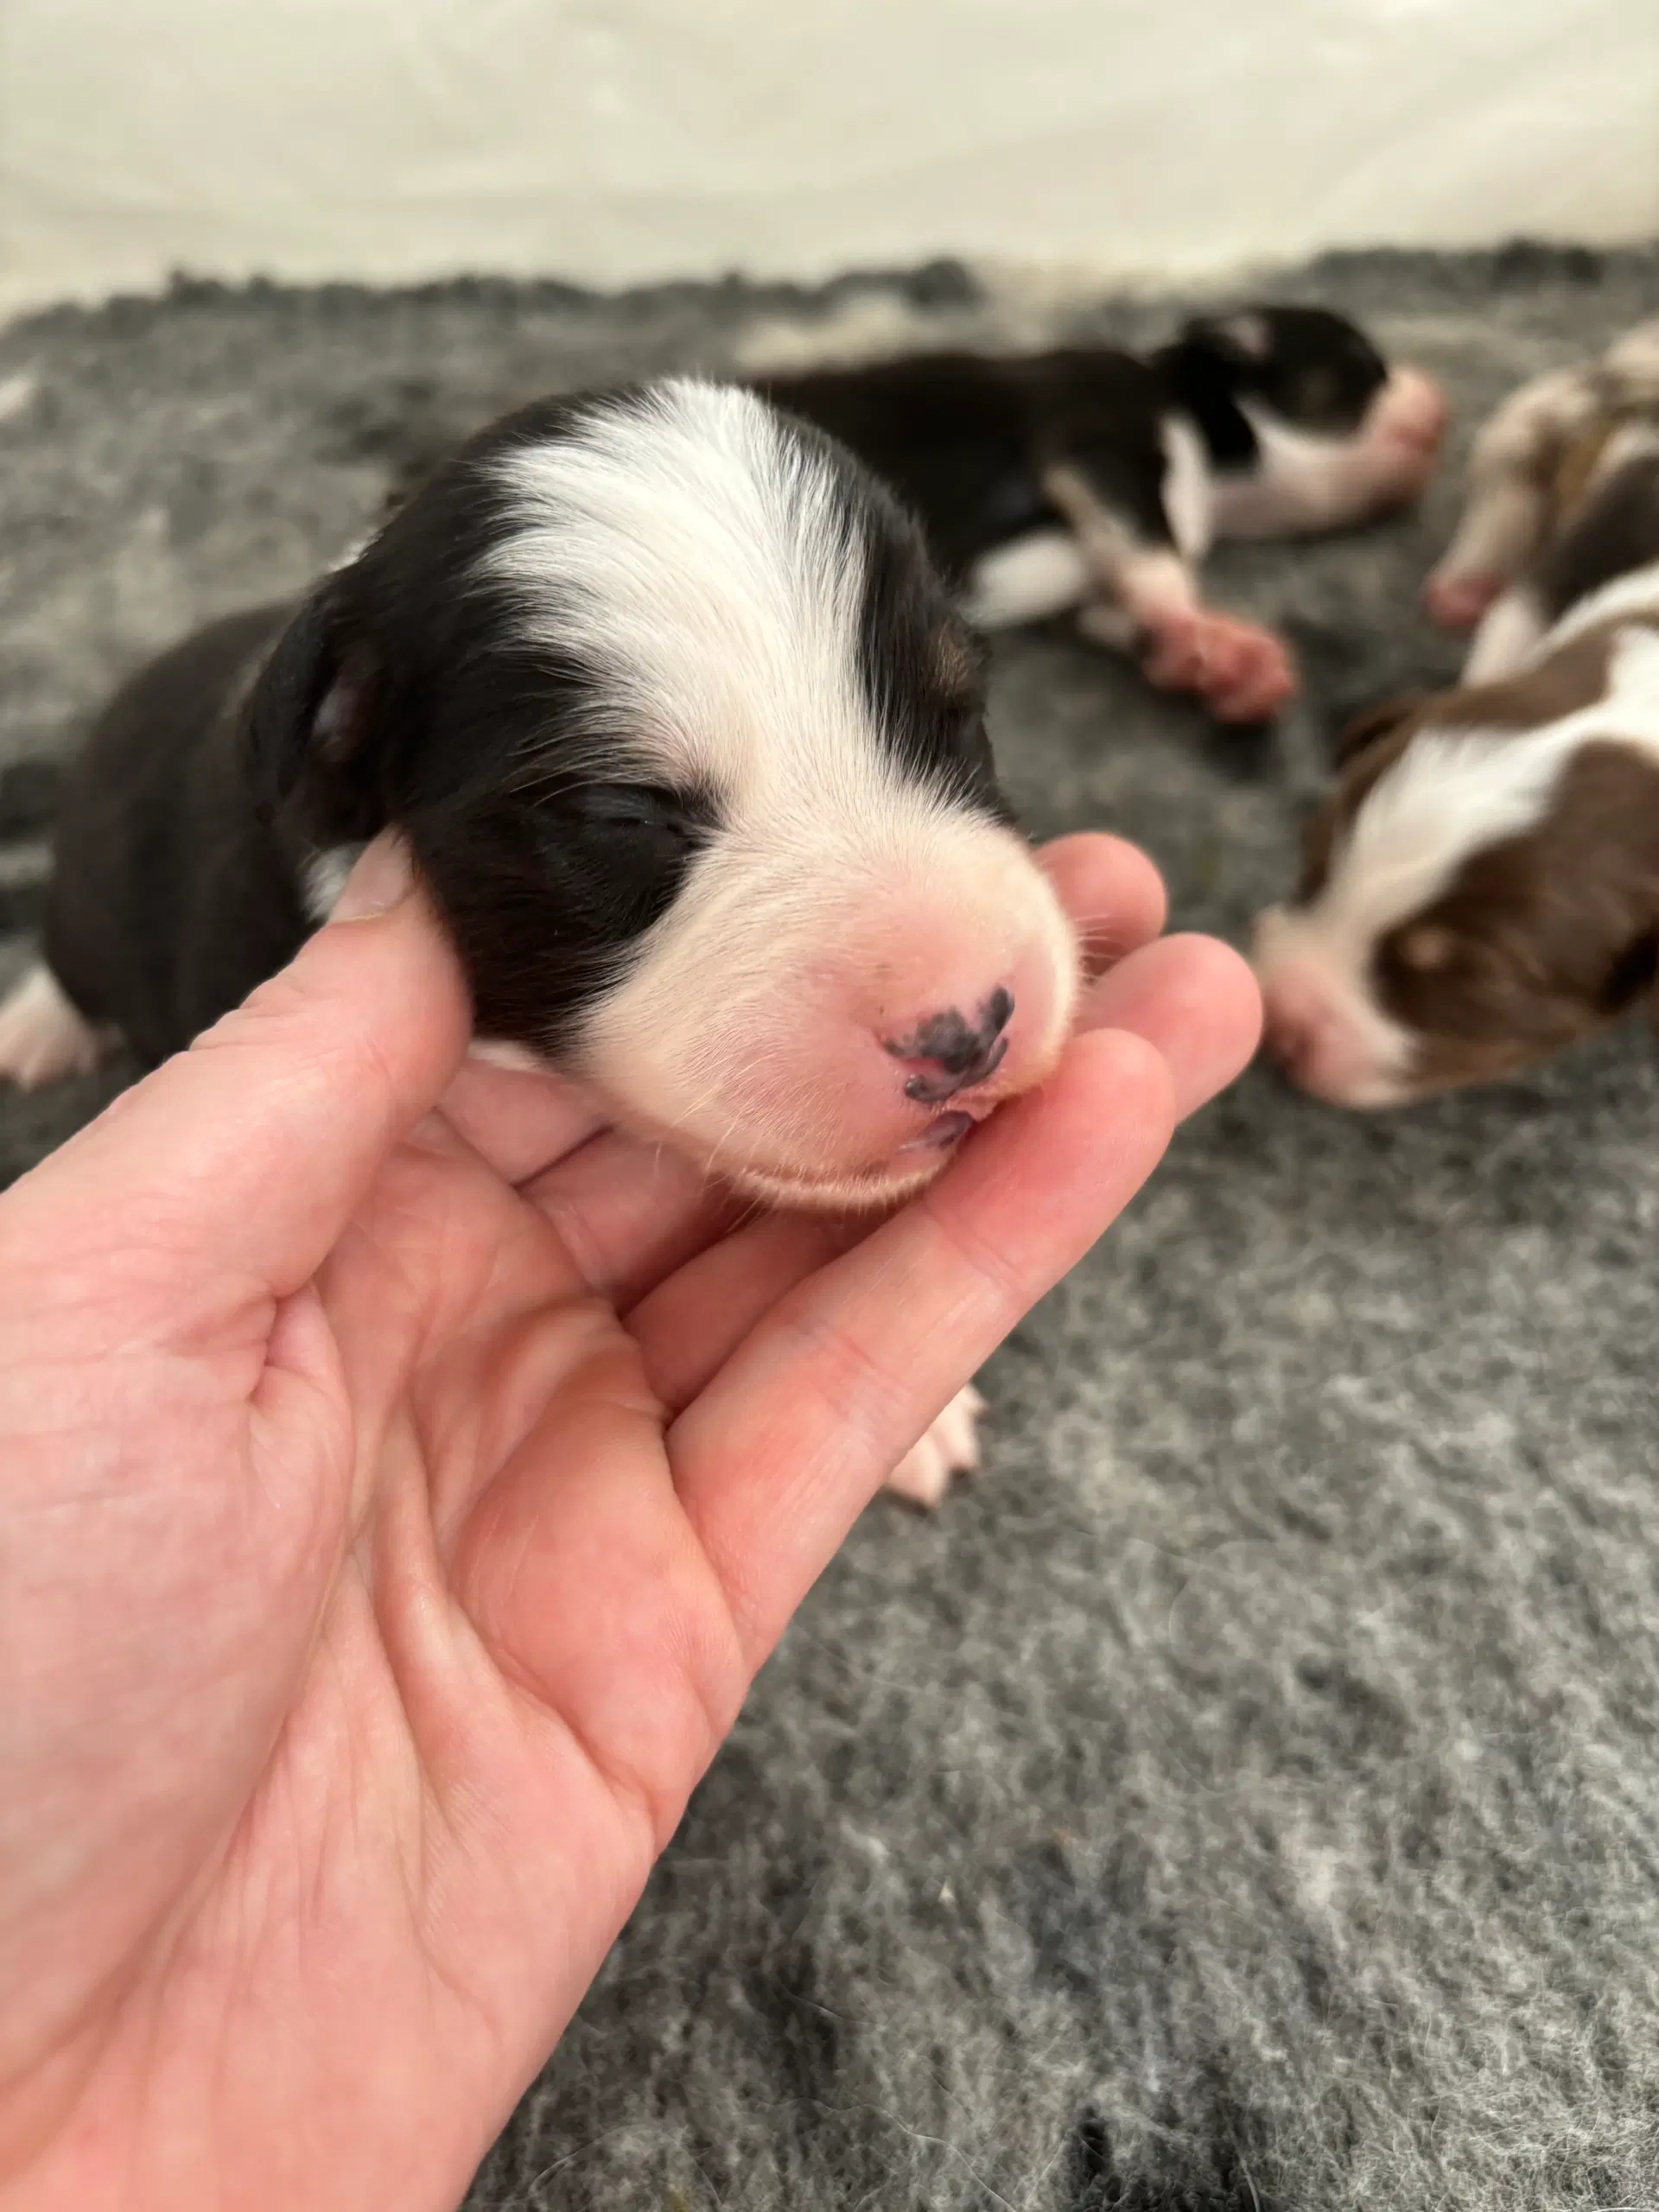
(309, 720)
(1365, 729)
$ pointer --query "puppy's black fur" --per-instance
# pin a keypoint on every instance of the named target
(1309, 368)
(967, 439)
(402, 692)
(170, 898)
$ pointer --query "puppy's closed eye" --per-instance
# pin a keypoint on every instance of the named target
(645, 815)
(617, 853)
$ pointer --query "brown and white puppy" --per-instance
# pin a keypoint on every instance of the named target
(1481, 887)
(687, 739)
(1536, 462)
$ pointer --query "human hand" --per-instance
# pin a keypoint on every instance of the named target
(396, 1503)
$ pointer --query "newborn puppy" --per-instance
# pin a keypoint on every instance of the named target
(1088, 478)
(1533, 464)
(688, 744)
(1481, 885)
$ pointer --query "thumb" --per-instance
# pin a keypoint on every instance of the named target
(246, 1156)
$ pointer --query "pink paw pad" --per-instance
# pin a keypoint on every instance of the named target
(1458, 602)
(1242, 673)
(950, 1447)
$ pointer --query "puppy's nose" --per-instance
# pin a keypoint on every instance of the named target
(946, 1053)
(1295, 1017)
(1289, 1045)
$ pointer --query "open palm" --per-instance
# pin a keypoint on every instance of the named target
(395, 1504)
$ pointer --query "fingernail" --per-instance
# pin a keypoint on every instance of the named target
(383, 878)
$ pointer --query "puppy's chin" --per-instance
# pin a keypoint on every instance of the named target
(807, 1188)
(809, 1185)
(876, 1190)
(764, 1159)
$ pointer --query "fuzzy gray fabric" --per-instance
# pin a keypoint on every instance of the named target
(1244, 1794)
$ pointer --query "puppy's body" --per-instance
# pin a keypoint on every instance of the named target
(1482, 886)
(687, 741)
(1535, 464)
(1089, 479)
(170, 900)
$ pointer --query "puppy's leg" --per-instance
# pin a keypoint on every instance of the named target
(1512, 468)
(949, 1447)
(42, 1037)
(1144, 594)
(1509, 629)
(1502, 525)
(1614, 531)
(1028, 580)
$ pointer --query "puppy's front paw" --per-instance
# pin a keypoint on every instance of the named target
(1105, 622)
(1456, 601)
(42, 1038)
(1242, 673)
(949, 1447)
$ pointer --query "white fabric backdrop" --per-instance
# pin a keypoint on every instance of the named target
(616, 140)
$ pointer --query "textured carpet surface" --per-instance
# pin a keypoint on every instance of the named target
(1245, 1795)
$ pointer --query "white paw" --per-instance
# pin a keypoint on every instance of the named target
(949, 1447)
(42, 1038)
(1103, 622)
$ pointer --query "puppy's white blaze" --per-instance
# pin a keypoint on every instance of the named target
(1027, 579)
(688, 551)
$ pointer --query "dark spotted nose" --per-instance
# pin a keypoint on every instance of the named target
(950, 1054)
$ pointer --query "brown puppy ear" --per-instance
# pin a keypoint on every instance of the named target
(1363, 732)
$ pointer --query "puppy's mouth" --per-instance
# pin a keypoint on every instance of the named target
(914, 1165)
(941, 1134)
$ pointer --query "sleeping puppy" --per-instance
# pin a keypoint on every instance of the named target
(1481, 887)
(687, 743)
(1091, 479)
(1533, 465)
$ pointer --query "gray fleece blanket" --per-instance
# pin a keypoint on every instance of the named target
(1244, 1794)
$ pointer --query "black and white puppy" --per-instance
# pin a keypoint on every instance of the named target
(1091, 479)
(687, 739)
